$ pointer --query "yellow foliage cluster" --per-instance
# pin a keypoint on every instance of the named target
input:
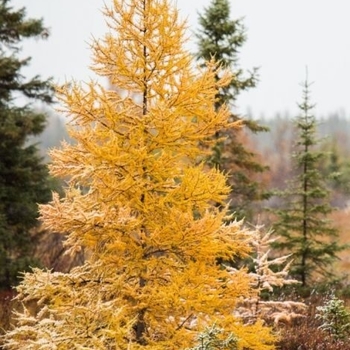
(141, 201)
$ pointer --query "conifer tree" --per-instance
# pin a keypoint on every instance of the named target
(222, 38)
(148, 219)
(302, 221)
(23, 176)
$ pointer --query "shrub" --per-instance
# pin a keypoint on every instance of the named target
(335, 318)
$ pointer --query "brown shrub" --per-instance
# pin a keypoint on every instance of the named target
(305, 334)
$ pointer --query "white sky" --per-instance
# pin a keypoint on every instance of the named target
(283, 38)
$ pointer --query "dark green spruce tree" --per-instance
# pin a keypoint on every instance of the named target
(302, 223)
(221, 37)
(23, 176)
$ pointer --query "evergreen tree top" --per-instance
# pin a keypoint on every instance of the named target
(14, 27)
(221, 38)
(219, 35)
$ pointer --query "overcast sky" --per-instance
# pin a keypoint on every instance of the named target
(283, 38)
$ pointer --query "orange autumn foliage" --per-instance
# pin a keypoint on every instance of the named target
(140, 201)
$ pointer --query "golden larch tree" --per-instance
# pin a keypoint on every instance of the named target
(140, 202)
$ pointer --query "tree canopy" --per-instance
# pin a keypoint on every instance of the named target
(141, 202)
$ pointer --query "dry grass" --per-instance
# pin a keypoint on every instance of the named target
(305, 334)
(341, 220)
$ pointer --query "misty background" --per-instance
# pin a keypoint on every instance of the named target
(283, 38)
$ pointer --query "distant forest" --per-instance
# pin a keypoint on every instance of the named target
(276, 147)
(273, 147)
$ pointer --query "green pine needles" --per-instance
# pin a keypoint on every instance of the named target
(23, 176)
(335, 318)
(212, 339)
(222, 38)
(302, 221)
